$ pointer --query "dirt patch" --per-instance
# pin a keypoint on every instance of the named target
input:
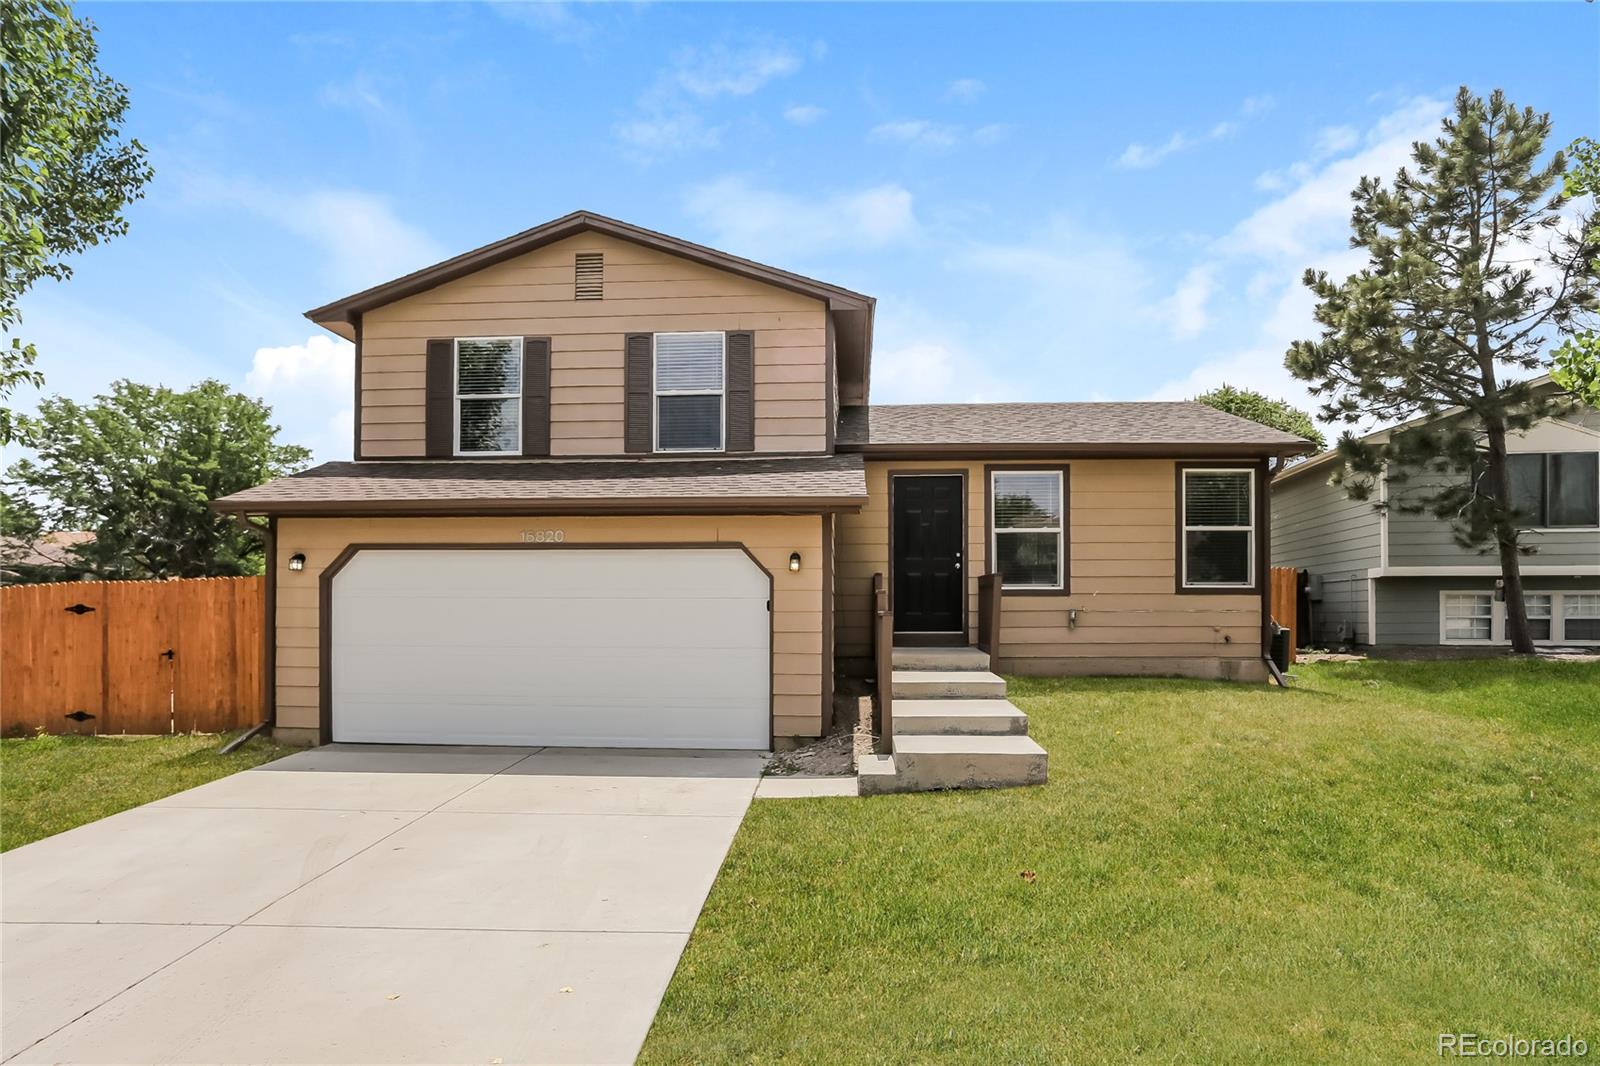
(832, 756)
(1327, 657)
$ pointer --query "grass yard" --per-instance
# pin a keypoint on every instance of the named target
(50, 784)
(1219, 874)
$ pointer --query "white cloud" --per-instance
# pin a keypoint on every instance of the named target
(765, 223)
(723, 70)
(1313, 215)
(1306, 225)
(660, 134)
(1141, 156)
(1186, 308)
(919, 133)
(359, 238)
(553, 18)
(965, 90)
(358, 93)
(671, 113)
(309, 387)
(803, 114)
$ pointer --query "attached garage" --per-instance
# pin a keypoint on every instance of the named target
(553, 645)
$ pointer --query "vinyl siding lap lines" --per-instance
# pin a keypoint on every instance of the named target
(646, 291)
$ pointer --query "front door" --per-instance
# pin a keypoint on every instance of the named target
(927, 554)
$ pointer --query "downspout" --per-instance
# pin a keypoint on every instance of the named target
(1269, 469)
(269, 630)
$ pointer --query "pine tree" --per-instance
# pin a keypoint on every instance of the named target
(1473, 270)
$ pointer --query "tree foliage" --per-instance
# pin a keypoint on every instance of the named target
(1470, 275)
(1257, 407)
(140, 466)
(1577, 362)
(68, 172)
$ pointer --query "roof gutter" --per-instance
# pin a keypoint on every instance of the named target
(469, 508)
(977, 451)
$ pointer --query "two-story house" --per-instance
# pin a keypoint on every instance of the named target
(613, 488)
(1384, 576)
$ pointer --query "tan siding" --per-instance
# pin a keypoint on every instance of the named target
(797, 597)
(645, 291)
(1123, 548)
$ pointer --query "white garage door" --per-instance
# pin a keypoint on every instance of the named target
(576, 646)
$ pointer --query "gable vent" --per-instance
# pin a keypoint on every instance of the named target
(589, 276)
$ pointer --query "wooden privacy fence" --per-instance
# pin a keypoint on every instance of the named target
(132, 656)
(1285, 593)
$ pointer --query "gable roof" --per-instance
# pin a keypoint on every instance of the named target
(1001, 429)
(852, 312)
(1378, 436)
(555, 486)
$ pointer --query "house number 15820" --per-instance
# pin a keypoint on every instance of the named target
(543, 536)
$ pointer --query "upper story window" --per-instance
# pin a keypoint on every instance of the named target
(488, 375)
(1556, 489)
(1028, 517)
(689, 391)
(1218, 521)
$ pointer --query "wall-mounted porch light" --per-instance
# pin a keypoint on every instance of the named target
(297, 561)
(794, 561)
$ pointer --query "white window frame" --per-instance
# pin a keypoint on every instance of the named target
(1497, 617)
(1060, 529)
(457, 397)
(656, 393)
(1185, 528)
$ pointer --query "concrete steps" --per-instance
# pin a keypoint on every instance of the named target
(953, 728)
(925, 763)
(965, 658)
(947, 685)
(958, 717)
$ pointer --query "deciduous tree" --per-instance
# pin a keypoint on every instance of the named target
(139, 467)
(67, 170)
(1258, 407)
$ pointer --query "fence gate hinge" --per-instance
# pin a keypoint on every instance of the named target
(80, 608)
(80, 716)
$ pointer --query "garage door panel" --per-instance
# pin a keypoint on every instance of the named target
(384, 622)
(661, 648)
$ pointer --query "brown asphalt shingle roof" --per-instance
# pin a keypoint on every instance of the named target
(630, 483)
(1097, 425)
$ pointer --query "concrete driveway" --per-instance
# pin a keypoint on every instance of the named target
(372, 904)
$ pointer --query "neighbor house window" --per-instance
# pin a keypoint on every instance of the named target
(689, 391)
(489, 396)
(1556, 489)
(1468, 616)
(1553, 618)
(1539, 606)
(1028, 520)
(1580, 616)
(1218, 549)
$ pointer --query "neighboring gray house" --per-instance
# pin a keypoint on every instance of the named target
(1390, 580)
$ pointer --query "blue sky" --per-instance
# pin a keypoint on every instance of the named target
(1049, 201)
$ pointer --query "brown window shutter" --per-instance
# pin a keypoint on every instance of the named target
(441, 407)
(639, 370)
(535, 396)
(741, 391)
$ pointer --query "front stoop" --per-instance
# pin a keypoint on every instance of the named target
(953, 728)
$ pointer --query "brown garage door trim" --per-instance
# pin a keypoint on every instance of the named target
(340, 561)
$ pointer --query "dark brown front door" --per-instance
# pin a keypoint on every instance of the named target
(927, 553)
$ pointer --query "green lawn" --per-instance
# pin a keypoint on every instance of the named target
(1220, 874)
(52, 784)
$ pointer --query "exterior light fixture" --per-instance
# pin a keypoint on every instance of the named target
(297, 562)
(794, 560)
